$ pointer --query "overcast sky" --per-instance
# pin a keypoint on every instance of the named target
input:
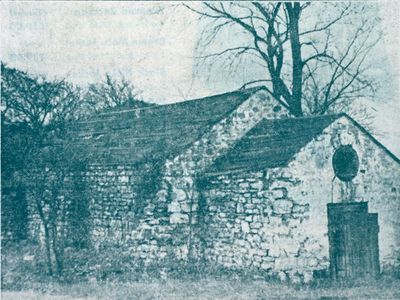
(153, 44)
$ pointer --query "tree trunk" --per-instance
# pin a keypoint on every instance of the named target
(297, 63)
(57, 255)
(48, 249)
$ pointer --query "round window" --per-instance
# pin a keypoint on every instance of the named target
(345, 163)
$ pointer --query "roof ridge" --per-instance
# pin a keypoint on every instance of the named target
(127, 134)
(157, 106)
(309, 117)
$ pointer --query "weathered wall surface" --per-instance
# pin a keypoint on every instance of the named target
(276, 220)
(272, 221)
(252, 224)
(152, 208)
(14, 214)
(117, 196)
(177, 198)
(107, 201)
(377, 182)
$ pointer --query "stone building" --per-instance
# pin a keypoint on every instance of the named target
(234, 181)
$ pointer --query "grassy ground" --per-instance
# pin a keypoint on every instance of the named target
(207, 289)
(26, 279)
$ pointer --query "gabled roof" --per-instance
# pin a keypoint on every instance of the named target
(273, 143)
(367, 133)
(155, 132)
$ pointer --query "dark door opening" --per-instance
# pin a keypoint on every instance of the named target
(353, 241)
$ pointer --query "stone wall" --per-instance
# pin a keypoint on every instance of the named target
(14, 214)
(253, 224)
(271, 221)
(66, 204)
(377, 182)
(276, 221)
(177, 198)
(151, 208)
(116, 201)
(110, 199)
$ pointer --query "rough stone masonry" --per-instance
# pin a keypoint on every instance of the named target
(233, 181)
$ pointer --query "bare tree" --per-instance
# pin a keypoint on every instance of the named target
(49, 180)
(113, 93)
(310, 63)
(36, 101)
(34, 113)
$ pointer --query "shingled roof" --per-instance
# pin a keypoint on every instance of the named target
(155, 132)
(272, 143)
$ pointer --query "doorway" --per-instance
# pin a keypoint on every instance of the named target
(353, 241)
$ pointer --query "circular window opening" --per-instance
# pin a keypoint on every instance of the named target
(345, 163)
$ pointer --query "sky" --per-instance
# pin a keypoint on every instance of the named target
(153, 45)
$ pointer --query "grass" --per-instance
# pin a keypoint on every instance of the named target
(205, 289)
(26, 280)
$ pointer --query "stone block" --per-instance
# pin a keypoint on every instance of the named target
(264, 194)
(285, 263)
(249, 218)
(174, 207)
(300, 209)
(162, 195)
(110, 173)
(256, 225)
(177, 218)
(307, 277)
(257, 200)
(257, 185)
(267, 211)
(212, 208)
(257, 259)
(241, 243)
(274, 250)
(268, 258)
(312, 246)
(242, 199)
(294, 278)
(282, 276)
(258, 174)
(279, 192)
(267, 265)
(245, 227)
(257, 218)
(185, 207)
(282, 206)
(178, 194)
(244, 185)
(290, 245)
(249, 206)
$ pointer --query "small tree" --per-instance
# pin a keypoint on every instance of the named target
(35, 111)
(113, 93)
(49, 179)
